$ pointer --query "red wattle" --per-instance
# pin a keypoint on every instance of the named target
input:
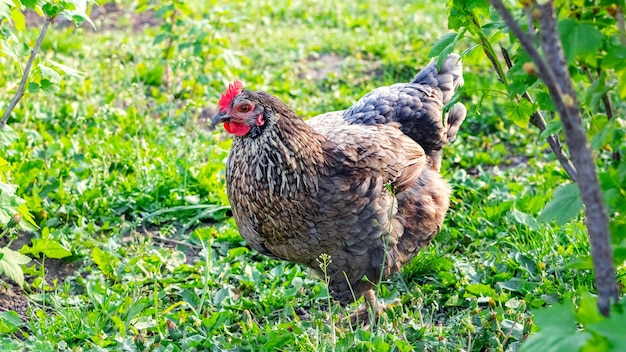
(236, 128)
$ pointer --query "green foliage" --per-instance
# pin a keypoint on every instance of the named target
(47, 247)
(593, 43)
(580, 40)
(560, 328)
(9, 323)
(564, 205)
(10, 262)
(519, 112)
(45, 79)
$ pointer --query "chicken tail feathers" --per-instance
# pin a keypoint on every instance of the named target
(448, 78)
(455, 118)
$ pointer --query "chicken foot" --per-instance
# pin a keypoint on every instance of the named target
(370, 309)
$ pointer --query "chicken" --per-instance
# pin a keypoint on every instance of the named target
(360, 185)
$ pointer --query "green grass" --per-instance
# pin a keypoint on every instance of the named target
(118, 160)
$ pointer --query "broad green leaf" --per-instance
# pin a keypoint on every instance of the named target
(615, 57)
(545, 102)
(47, 247)
(481, 290)
(619, 255)
(579, 40)
(447, 50)
(7, 136)
(5, 33)
(17, 50)
(564, 206)
(119, 324)
(519, 112)
(479, 7)
(458, 17)
(8, 188)
(66, 69)
(33, 87)
(10, 265)
(518, 285)
(618, 232)
(443, 44)
(581, 263)
(601, 131)
(621, 85)
(31, 4)
(524, 219)
(18, 19)
(51, 10)
(587, 312)
(519, 79)
(49, 87)
(49, 74)
(520, 83)
(462, 12)
(29, 224)
(78, 14)
(5, 8)
(473, 55)
(557, 331)
(10, 322)
(105, 261)
(553, 127)
(8, 206)
(159, 38)
(611, 328)
(594, 94)
(43, 346)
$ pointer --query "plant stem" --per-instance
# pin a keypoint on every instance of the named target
(539, 121)
(488, 49)
(29, 65)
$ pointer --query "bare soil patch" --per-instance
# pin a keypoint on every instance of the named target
(13, 297)
(107, 17)
(318, 68)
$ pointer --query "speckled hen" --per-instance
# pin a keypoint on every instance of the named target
(361, 185)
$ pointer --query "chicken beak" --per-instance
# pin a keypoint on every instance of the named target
(221, 116)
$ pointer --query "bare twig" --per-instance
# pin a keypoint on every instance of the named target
(488, 49)
(508, 334)
(559, 83)
(29, 65)
(621, 25)
(539, 121)
(528, 11)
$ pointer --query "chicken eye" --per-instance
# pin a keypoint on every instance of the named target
(244, 108)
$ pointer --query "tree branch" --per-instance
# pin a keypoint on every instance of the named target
(29, 65)
(621, 25)
(557, 79)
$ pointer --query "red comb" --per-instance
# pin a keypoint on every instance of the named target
(234, 88)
